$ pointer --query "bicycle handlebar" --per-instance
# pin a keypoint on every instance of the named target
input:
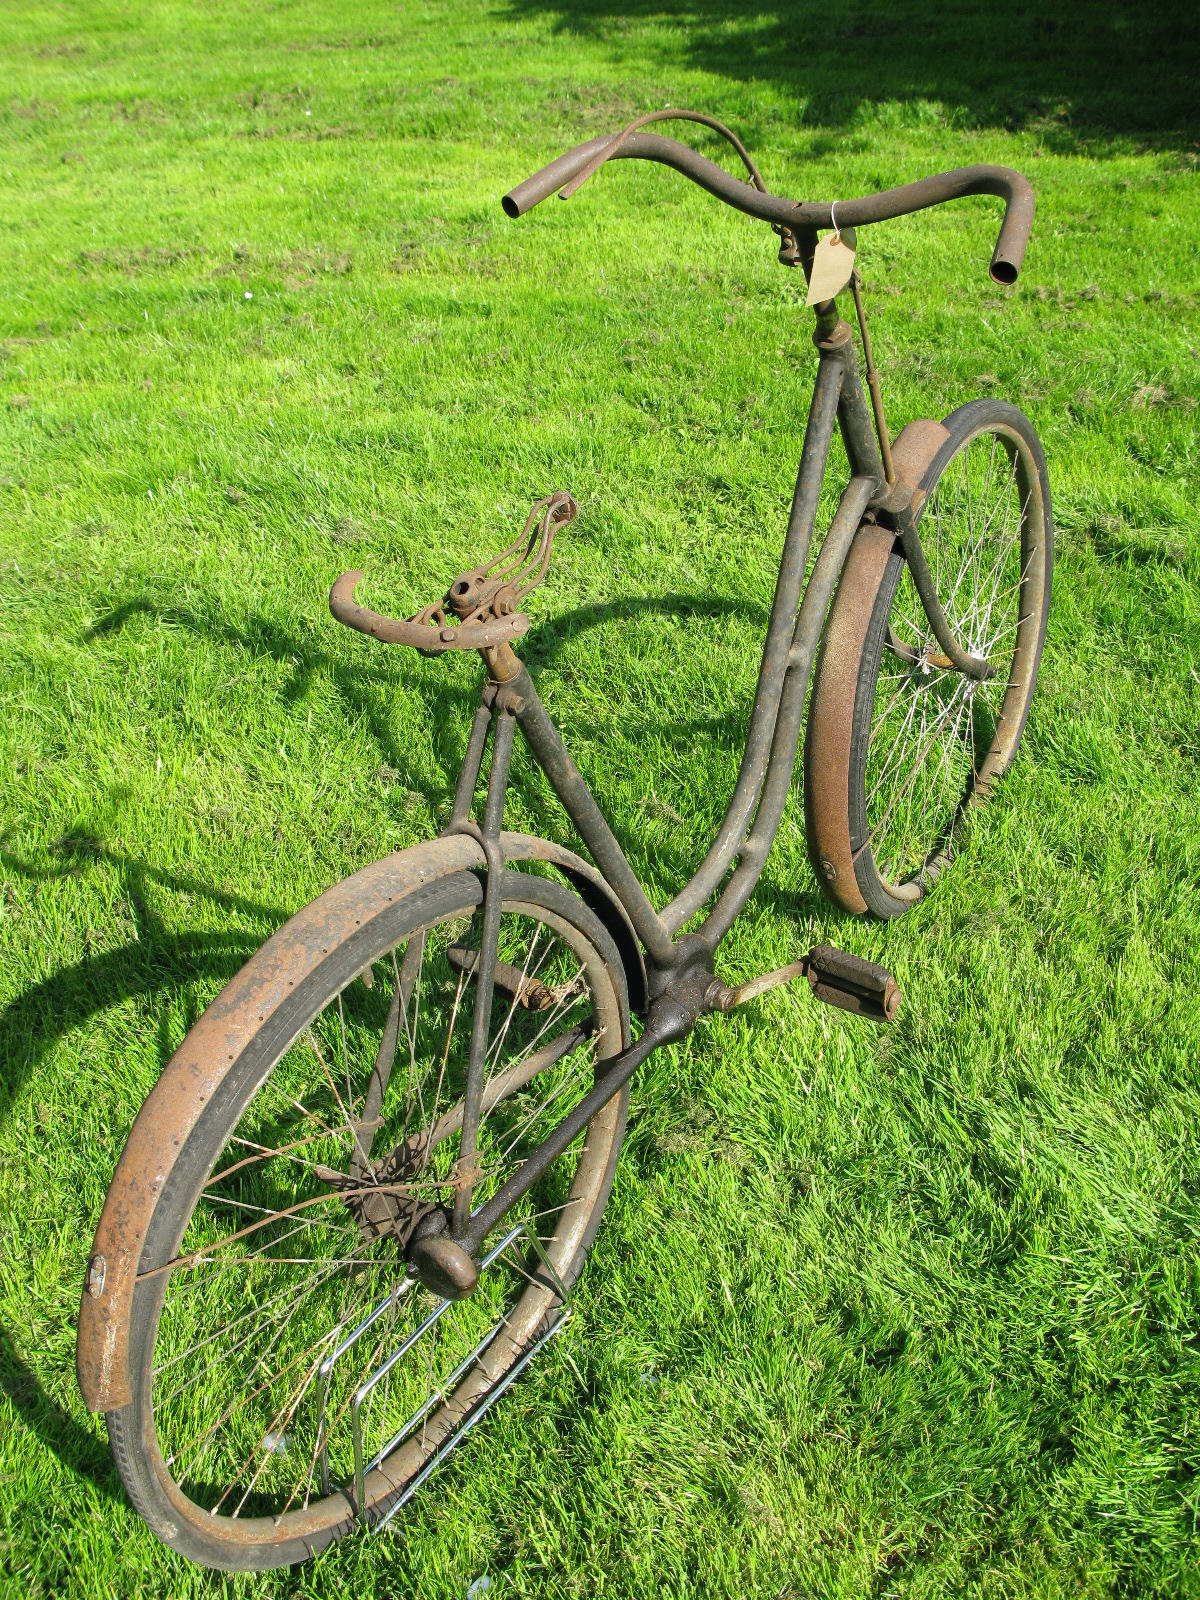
(1003, 182)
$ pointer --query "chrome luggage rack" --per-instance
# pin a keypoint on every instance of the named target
(362, 1467)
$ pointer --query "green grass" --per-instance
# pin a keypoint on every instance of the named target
(898, 1314)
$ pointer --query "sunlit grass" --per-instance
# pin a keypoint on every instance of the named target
(884, 1314)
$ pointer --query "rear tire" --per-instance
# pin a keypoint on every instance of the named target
(899, 746)
(212, 1338)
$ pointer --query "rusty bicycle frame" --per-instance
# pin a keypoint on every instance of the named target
(670, 972)
(660, 965)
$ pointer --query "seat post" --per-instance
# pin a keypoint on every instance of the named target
(502, 662)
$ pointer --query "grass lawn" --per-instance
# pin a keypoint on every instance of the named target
(908, 1313)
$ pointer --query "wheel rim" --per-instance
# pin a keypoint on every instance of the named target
(938, 738)
(298, 1232)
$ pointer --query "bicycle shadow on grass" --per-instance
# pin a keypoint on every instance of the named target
(367, 685)
(155, 958)
(53, 1425)
(1079, 73)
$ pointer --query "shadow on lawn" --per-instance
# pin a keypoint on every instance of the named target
(1080, 70)
(154, 959)
(366, 683)
(57, 1429)
(365, 688)
(157, 958)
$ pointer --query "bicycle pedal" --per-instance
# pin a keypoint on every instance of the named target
(835, 976)
(852, 984)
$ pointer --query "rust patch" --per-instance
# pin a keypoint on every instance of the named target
(915, 447)
(831, 716)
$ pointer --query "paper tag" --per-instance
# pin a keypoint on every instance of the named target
(833, 262)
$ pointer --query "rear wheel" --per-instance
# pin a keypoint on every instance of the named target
(273, 1281)
(899, 745)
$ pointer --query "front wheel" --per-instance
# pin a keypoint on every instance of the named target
(899, 745)
(289, 1374)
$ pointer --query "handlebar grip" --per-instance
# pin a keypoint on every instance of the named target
(1014, 232)
(550, 179)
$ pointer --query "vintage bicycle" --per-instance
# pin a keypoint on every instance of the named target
(355, 1205)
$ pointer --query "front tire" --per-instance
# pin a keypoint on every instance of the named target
(899, 746)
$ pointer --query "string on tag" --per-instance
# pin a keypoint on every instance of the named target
(832, 263)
